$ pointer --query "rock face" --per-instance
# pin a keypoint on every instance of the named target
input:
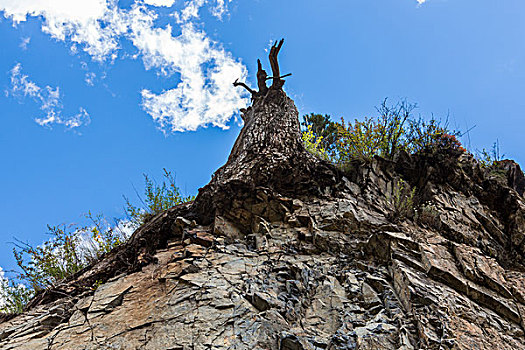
(283, 251)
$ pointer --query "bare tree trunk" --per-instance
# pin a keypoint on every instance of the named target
(268, 154)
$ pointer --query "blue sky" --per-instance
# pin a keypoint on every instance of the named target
(94, 93)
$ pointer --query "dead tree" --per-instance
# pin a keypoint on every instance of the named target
(268, 155)
(262, 76)
(268, 163)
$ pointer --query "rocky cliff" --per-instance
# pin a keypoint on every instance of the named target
(284, 251)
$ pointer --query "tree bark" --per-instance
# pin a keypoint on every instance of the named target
(268, 154)
(261, 79)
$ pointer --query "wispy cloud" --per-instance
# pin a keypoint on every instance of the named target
(420, 2)
(48, 99)
(203, 96)
(24, 43)
(90, 78)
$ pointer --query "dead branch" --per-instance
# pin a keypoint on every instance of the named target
(274, 51)
(282, 76)
(261, 78)
(237, 83)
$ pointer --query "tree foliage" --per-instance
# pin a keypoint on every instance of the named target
(393, 130)
(324, 130)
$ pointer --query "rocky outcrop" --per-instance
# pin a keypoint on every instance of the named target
(312, 273)
(288, 252)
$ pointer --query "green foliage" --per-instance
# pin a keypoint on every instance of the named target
(429, 136)
(157, 199)
(402, 200)
(428, 215)
(73, 247)
(394, 130)
(14, 296)
(323, 128)
(489, 158)
(391, 132)
(99, 237)
(52, 261)
(313, 143)
(360, 140)
(70, 249)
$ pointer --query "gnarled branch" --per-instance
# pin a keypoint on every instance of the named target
(237, 83)
(261, 78)
(274, 51)
(282, 76)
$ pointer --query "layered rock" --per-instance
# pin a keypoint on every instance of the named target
(284, 251)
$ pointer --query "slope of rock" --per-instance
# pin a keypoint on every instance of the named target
(283, 251)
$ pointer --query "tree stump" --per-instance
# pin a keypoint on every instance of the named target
(268, 156)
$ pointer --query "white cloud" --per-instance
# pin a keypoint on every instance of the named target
(421, 1)
(65, 10)
(203, 96)
(166, 3)
(4, 283)
(8, 288)
(77, 20)
(90, 78)
(220, 8)
(24, 43)
(48, 98)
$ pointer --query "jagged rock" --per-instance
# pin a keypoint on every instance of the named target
(283, 251)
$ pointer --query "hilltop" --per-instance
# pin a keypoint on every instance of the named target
(283, 250)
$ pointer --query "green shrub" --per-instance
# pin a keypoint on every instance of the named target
(73, 247)
(393, 131)
(428, 215)
(100, 237)
(383, 136)
(402, 200)
(430, 136)
(157, 199)
(51, 262)
(489, 158)
(14, 296)
(324, 129)
(313, 144)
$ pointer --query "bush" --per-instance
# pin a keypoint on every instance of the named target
(157, 199)
(100, 237)
(393, 131)
(52, 261)
(430, 136)
(313, 144)
(402, 200)
(323, 129)
(69, 250)
(14, 297)
(73, 247)
(489, 158)
(428, 215)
